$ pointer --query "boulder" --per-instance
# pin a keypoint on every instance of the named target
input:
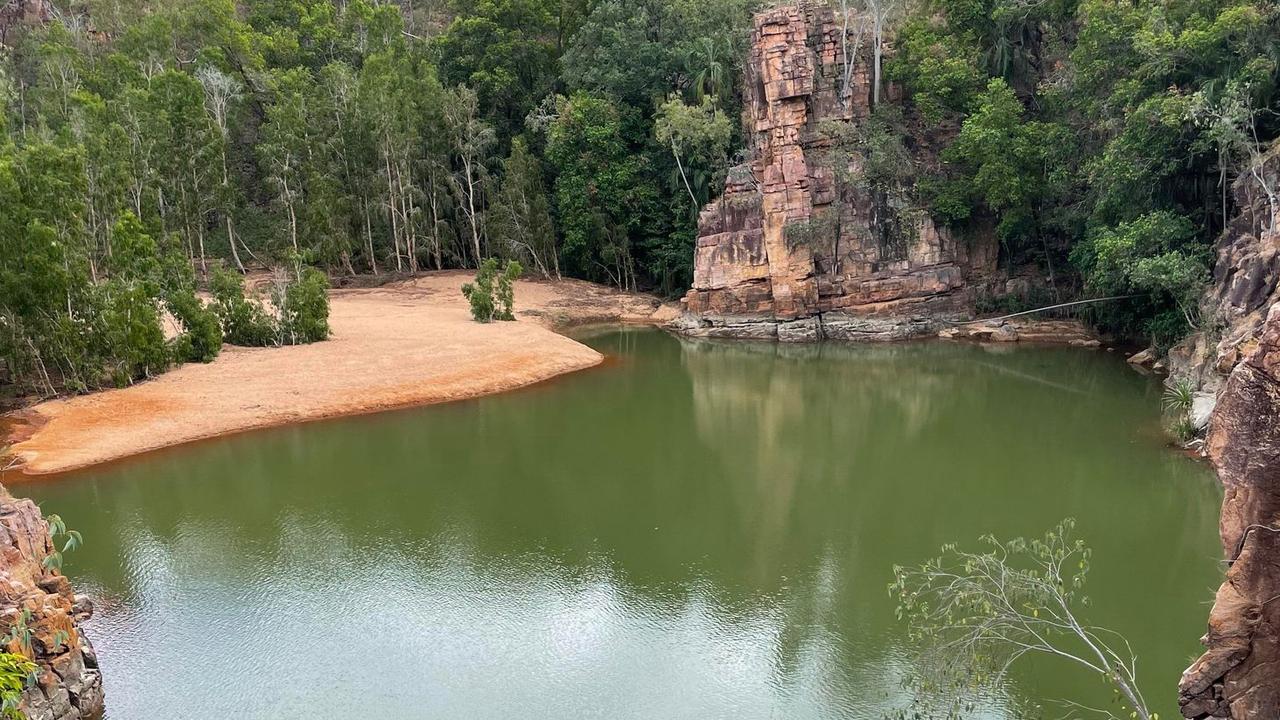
(1004, 334)
(1202, 406)
(1146, 358)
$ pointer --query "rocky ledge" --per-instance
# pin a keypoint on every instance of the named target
(40, 617)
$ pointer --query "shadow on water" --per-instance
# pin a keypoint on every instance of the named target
(700, 530)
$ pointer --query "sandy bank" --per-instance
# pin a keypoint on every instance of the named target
(408, 343)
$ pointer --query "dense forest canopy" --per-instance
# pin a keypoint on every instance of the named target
(361, 137)
(1100, 137)
(148, 143)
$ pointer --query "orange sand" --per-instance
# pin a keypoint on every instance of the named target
(408, 343)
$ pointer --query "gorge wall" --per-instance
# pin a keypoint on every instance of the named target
(1237, 676)
(1246, 283)
(796, 248)
(21, 12)
(1235, 363)
(38, 602)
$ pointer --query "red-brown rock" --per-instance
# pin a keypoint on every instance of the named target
(1237, 676)
(70, 685)
(750, 268)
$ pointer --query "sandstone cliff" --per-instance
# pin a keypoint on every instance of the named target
(1237, 676)
(797, 248)
(1246, 283)
(40, 604)
(1236, 364)
(21, 12)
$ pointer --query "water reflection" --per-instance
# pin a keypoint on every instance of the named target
(699, 530)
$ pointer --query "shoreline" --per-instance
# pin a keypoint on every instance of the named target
(18, 477)
(407, 344)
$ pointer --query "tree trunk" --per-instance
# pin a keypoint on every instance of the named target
(435, 222)
(368, 234)
(878, 50)
(471, 210)
(231, 233)
(391, 207)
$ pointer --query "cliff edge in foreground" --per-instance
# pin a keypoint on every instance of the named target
(40, 618)
(1238, 675)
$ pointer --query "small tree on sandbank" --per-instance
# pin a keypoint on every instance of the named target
(492, 295)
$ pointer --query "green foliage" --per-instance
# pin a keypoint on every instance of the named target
(1182, 428)
(1157, 255)
(506, 50)
(480, 292)
(1097, 117)
(1179, 396)
(520, 219)
(70, 540)
(492, 294)
(940, 70)
(129, 322)
(304, 307)
(244, 322)
(505, 300)
(300, 302)
(698, 136)
(20, 632)
(973, 616)
(603, 191)
(17, 673)
(1009, 166)
(202, 339)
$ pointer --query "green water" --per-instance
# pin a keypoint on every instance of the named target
(693, 531)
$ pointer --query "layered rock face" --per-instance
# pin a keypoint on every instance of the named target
(1237, 364)
(21, 12)
(39, 603)
(1238, 675)
(794, 249)
(1246, 283)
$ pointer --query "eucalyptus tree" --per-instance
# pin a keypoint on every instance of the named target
(386, 83)
(285, 144)
(189, 142)
(94, 128)
(520, 217)
(352, 147)
(221, 93)
(473, 141)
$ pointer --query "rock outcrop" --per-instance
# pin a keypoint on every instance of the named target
(1237, 363)
(1238, 675)
(796, 248)
(40, 618)
(14, 13)
(1246, 283)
